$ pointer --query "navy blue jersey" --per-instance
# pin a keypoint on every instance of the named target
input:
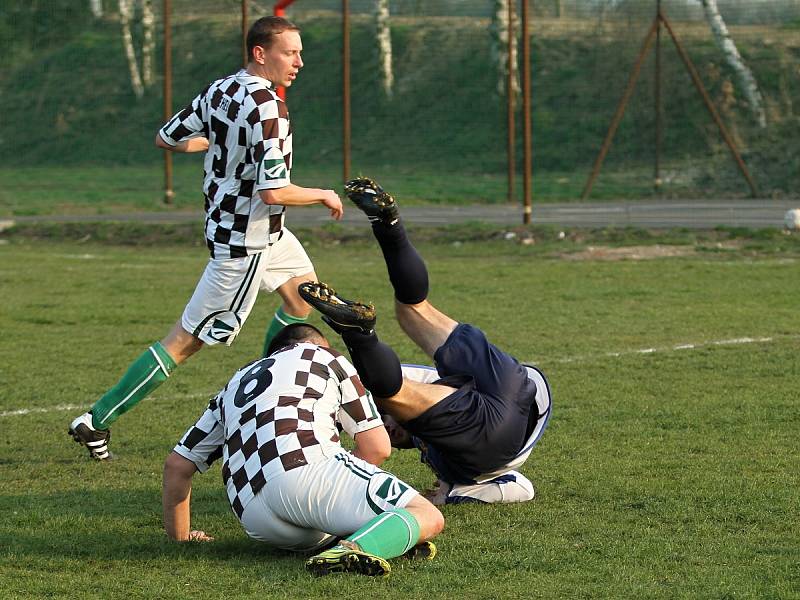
(486, 421)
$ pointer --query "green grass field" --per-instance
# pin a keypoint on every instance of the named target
(669, 469)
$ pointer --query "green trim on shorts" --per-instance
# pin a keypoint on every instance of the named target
(375, 508)
(238, 297)
(363, 474)
(356, 471)
(196, 332)
(248, 280)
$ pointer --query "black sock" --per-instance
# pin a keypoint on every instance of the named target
(376, 363)
(407, 270)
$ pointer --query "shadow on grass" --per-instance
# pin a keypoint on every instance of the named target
(121, 525)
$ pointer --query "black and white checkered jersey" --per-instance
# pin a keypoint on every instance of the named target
(277, 414)
(250, 149)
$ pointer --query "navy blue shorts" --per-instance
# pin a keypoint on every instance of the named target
(467, 352)
(482, 425)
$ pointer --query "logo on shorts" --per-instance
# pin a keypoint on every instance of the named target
(220, 331)
(391, 490)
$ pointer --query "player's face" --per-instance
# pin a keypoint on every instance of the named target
(398, 435)
(282, 61)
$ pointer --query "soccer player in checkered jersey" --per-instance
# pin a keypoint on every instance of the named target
(476, 417)
(289, 481)
(243, 127)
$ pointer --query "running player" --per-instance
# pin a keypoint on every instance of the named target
(475, 418)
(243, 127)
(288, 479)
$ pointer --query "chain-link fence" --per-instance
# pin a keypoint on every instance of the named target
(81, 88)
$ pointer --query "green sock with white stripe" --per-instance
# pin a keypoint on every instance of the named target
(146, 373)
(390, 534)
(279, 321)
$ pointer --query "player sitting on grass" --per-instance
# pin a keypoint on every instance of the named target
(289, 480)
(476, 418)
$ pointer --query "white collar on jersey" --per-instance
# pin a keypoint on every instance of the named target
(246, 73)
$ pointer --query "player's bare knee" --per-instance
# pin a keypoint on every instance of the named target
(299, 310)
(289, 294)
(434, 523)
(293, 304)
(181, 344)
(429, 518)
(438, 520)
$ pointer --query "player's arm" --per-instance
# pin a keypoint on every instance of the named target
(373, 445)
(358, 414)
(185, 131)
(295, 195)
(200, 446)
(176, 499)
(198, 144)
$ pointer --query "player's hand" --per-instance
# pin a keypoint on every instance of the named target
(334, 203)
(437, 494)
(199, 536)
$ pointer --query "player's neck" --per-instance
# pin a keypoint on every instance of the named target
(257, 70)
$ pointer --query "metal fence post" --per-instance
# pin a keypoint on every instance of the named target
(346, 89)
(526, 113)
(169, 193)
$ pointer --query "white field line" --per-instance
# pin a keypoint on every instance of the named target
(674, 348)
(74, 407)
(29, 411)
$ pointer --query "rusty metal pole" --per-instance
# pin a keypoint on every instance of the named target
(623, 103)
(658, 110)
(346, 89)
(510, 102)
(526, 114)
(169, 193)
(710, 106)
(245, 58)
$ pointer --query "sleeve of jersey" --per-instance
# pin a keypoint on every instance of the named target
(358, 411)
(270, 122)
(187, 124)
(202, 443)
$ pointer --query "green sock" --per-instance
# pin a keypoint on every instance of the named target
(279, 321)
(146, 373)
(389, 534)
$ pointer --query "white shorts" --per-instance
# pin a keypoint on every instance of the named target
(287, 259)
(228, 288)
(305, 508)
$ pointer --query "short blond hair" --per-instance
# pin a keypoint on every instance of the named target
(263, 31)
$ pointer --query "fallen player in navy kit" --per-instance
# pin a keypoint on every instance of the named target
(477, 416)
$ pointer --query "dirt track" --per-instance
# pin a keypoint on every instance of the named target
(701, 214)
